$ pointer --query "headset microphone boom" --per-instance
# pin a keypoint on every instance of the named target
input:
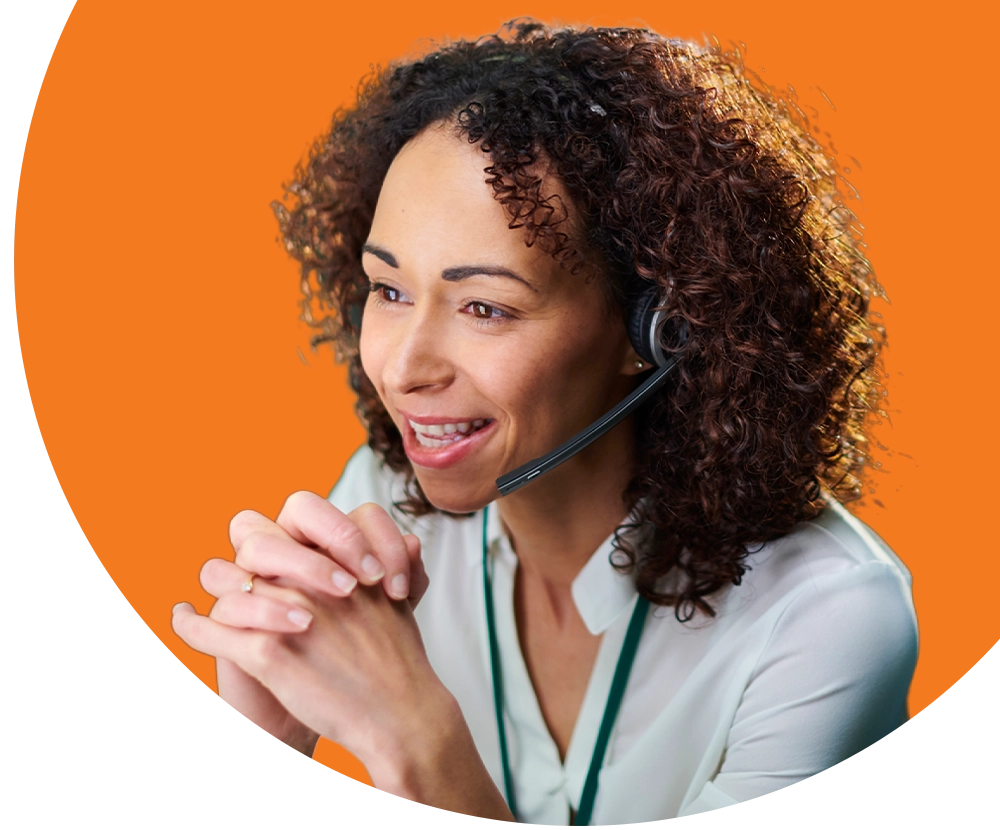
(645, 320)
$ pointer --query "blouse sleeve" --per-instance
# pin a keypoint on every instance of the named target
(365, 479)
(832, 679)
(357, 484)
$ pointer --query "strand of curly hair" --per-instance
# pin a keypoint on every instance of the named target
(685, 171)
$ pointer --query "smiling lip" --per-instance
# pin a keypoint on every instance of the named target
(439, 458)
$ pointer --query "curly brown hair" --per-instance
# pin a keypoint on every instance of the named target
(685, 170)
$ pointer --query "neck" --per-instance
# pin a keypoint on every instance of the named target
(557, 522)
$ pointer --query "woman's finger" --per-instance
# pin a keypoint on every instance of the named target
(220, 576)
(386, 540)
(312, 568)
(269, 606)
(419, 581)
(312, 520)
(253, 651)
(366, 544)
(242, 610)
(271, 555)
(263, 655)
(250, 521)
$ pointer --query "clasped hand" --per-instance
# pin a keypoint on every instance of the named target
(324, 643)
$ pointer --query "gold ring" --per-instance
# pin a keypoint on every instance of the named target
(247, 586)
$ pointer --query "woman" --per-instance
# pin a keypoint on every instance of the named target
(482, 224)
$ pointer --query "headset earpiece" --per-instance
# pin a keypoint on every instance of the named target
(646, 317)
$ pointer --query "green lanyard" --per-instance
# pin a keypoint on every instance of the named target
(618, 683)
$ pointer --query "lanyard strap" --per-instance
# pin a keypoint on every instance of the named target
(615, 695)
(497, 673)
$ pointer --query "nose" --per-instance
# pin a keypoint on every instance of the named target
(417, 357)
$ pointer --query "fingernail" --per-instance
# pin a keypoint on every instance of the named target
(174, 609)
(372, 567)
(344, 581)
(300, 618)
(400, 586)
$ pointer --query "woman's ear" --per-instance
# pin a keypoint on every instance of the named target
(632, 364)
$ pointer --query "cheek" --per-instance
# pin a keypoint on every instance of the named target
(570, 356)
(579, 383)
(525, 385)
(372, 359)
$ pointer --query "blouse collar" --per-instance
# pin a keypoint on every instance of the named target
(600, 592)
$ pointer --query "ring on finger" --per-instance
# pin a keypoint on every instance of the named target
(247, 586)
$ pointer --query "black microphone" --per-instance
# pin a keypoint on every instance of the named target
(516, 479)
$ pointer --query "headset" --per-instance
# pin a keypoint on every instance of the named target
(645, 320)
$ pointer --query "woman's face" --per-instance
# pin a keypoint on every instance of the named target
(485, 352)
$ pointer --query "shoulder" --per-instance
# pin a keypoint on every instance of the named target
(835, 588)
(831, 578)
(833, 550)
(828, 670)
(856, 541)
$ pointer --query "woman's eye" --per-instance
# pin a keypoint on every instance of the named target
(386, 293)
(486, 312)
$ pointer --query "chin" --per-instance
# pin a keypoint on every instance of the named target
(452, 499)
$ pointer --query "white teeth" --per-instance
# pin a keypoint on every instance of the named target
(425, 441)
(442, 435)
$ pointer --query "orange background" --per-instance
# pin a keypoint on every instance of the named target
(158, 315)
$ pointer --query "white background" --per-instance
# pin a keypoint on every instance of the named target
(103, 725)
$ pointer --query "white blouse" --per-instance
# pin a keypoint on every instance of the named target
(808, 661)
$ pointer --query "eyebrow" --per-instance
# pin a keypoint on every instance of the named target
(381, 253)
(455, 273)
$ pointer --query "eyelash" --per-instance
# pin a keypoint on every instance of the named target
(377, 289)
